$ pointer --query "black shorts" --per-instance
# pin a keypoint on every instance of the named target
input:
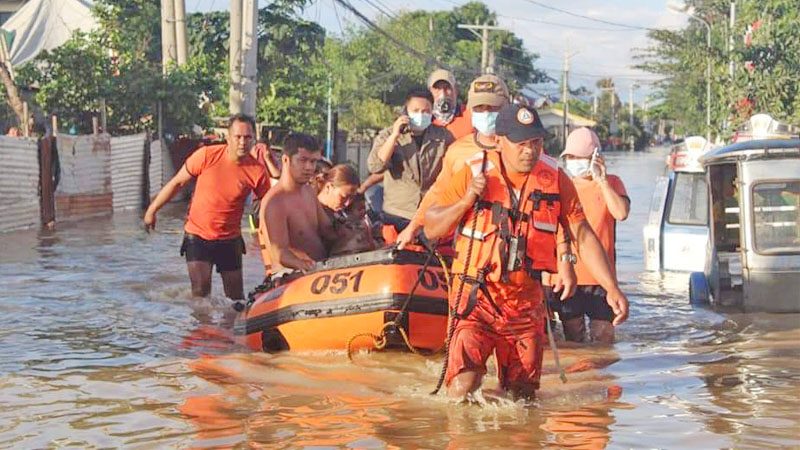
(226, 254)
(588, 300)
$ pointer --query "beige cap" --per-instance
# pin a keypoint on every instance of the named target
(487, 90)
(441, 74)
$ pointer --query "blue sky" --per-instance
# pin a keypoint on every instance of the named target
(600, 49)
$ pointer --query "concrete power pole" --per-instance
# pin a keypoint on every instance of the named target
(235, 49)
(180, 31)
(630, 113)
(250, 51)
(731, 64)
(243, 53)
(565, 98)
(486, 67)
(168, 48)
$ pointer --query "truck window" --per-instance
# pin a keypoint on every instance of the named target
(689, 202)
(776, 216)
(725, 207)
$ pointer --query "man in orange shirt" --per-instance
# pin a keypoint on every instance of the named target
(447, 112)
(507, 207)
(226, 174)
(605, 201)
(487, 94)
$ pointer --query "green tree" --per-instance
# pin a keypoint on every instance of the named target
(767, 65)
(291, 83)
(367, 67)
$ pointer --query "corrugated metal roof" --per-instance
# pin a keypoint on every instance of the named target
(19, 183)
(127, 167)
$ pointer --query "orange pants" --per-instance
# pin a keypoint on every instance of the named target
(517, 338)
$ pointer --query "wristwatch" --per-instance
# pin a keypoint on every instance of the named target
(569, 257)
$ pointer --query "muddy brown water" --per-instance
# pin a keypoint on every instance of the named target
(101, 346)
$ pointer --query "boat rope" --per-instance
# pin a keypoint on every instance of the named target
(379, 341)
(451, 328)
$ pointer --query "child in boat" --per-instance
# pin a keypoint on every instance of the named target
(354, 229)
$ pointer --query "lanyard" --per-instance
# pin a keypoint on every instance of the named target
(516, 204)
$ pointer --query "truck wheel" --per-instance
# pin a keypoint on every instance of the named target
(698, 289)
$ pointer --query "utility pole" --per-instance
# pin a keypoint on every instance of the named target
(243, 56)
(630, 113)
(330, 136)
(594, 106)
(565, 98)
(235, 46)
(168, 50)
(180, 31)
(731, 64)
(484, 36)
(250, 52)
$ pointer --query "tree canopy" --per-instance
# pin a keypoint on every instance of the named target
(297, 63)
(766, 53)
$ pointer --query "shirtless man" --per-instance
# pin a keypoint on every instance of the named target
(296, 223)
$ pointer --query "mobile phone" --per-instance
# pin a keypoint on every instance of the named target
(593, 162)
(404, 127)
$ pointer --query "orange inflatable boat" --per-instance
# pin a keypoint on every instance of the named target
(347, 297)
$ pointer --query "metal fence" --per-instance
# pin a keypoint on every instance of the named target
(356, 155)
(85, 186)
(128, 175)
(158, 171)
(19, 183)
(72, 177)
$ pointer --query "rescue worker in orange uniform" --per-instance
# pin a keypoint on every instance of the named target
(506, 208)
(487, 94)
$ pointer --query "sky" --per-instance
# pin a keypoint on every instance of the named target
(599, 49)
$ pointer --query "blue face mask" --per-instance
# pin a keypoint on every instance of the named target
(419, 120)
(484, 122)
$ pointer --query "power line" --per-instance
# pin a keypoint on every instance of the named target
(419, 55)
(379, 9)
(607, 22)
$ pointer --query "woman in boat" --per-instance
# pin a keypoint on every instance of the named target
(337, 189)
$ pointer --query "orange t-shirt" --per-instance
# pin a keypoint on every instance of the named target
(221, 190)
(571, 211)
(602, 222)
(461, 125)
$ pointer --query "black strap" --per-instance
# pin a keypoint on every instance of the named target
(478, 285)
(537, 196)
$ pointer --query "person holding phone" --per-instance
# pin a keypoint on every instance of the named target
(605, 201)
(409, 154)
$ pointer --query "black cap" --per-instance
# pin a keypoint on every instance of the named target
(519, 124)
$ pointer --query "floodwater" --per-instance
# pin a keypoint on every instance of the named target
(101, 346)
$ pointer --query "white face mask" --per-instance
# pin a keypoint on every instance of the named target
(577, 168)
(419, 120)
